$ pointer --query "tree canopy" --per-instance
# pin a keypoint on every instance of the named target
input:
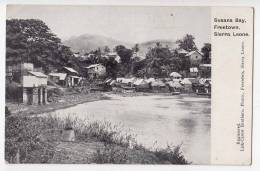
(187, 43)
(31, 40)
(124, 53)
(160, 61)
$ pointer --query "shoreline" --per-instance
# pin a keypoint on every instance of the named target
(64, 102)
(71, 100)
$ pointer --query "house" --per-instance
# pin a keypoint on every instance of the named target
(73, 78)
(158, 86)
(96, 71)
(175, 76)
(187, 85)
(58, 78)
(205, 70)
(182, 52)
(195, 58)
(150, 80)
(174, 86)
(141, 85)
(194, 72)
(15, 71)
(34, 88)
(113, 55)
(32, 84)
(76, 55)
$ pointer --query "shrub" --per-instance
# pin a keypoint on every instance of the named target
(171, 154)
(111, 154)
(13, 91)
(22, 136)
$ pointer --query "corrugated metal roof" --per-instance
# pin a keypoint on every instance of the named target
(71, 69)
(158, 83)
(182, 51)
(38, 74)
(174, 84)
(205, 65)
(140, 82)
(175, 74)
(190, 53)
(186, 81)
(62, 76)
(93, 65)
(72, 76)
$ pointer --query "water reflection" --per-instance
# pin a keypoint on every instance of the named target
(161, 119)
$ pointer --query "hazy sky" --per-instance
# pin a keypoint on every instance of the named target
(130, 24)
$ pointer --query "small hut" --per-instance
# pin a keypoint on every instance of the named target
(141, 85)
(187, 85)
(175, 76)
(159, 86)
(175, 86)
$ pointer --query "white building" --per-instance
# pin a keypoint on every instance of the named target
(96, 70)
(175, 76)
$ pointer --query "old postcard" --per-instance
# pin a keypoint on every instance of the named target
(128, 84)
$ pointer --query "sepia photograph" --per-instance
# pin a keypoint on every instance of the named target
(108, 84)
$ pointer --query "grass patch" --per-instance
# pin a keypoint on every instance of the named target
(34, 140)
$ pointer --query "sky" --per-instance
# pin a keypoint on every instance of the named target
(133, 24)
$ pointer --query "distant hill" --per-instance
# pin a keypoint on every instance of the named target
(85, 43)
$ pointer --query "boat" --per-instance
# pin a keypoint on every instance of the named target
(204, 94)
(176, 93)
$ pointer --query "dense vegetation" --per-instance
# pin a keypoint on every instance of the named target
(159, 60)
(30, 40)
(38, 140)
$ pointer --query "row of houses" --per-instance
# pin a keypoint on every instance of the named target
(66, 77)
(33, 81)
(175, 83)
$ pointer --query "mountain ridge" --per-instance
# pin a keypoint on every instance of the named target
(86, 42)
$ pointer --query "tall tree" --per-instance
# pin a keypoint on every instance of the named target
(159, 61)
(106, 49)
(30, 40)
(136, 47)
(124, 53)
(206, 50)
(125, 59)
(111, 68)
(187, 43)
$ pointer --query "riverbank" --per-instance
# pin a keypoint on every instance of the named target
(40, 140)
(70, 100)
(61, 102)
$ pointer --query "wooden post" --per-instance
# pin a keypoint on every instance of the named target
(17, 157)
(25, 96)
(45, 97)
(35, 98)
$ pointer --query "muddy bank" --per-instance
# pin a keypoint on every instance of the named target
(62, 102)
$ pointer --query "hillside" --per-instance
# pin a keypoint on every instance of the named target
(85, 43)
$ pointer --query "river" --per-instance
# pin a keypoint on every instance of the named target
(157, 120)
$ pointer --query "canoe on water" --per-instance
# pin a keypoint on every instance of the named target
(204, 94)
(176, 93)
